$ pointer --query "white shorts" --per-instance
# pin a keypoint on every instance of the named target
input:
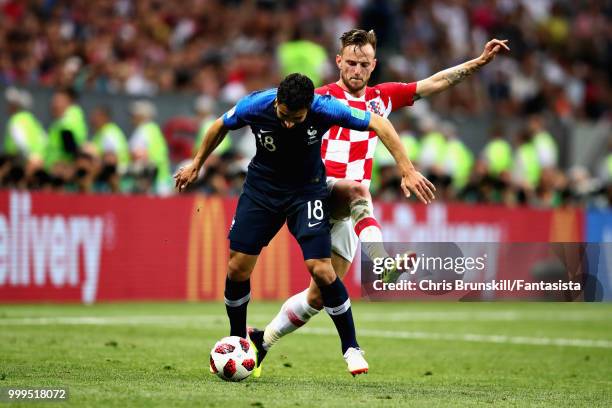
(343, 237)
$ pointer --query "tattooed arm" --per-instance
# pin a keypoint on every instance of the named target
(443, 80)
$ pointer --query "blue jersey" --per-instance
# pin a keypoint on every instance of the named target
(289, 159)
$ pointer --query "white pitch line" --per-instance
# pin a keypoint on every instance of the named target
(211, 321)
(112, 320)
(469, 337)
(407, 316)
(483, 316)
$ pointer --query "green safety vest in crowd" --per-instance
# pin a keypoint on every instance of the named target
(543, 141)
(436, 142)
(158, 152)
(609, 166)
(304, 57)
(73, 120)
(498, 154)
(115, 135)
(462, 159)
(527, 155)
(382, 156)
(36, 139)
(223, 147)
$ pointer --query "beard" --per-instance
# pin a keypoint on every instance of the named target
(354, 86)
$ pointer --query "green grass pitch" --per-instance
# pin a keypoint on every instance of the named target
(420, 354)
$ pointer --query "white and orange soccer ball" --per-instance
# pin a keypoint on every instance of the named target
(232, 358)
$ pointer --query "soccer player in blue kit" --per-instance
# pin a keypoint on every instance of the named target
(286, 182)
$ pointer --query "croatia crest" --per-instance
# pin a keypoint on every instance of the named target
(375, 107)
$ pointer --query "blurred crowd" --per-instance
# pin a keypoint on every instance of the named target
(91, 153)
(513, 168)
(79, 153)
(221, 50)
(225, 49)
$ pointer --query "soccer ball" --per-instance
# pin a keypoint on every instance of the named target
(232, 358)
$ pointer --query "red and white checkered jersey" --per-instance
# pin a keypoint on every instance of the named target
(347, 153)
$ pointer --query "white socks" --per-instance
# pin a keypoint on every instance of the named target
(294, 313)
(367, 228)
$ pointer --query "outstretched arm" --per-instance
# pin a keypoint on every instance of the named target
(443, 80)
(412, 180)
(214, 136)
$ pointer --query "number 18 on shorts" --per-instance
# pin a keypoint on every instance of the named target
(307, 218)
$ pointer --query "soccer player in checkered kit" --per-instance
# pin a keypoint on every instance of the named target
(348, 155)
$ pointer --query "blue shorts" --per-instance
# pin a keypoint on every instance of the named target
(307, 216)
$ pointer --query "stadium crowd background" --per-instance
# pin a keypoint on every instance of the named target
(212, 53)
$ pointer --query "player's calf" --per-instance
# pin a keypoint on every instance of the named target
(301, 307)
(367, 228)
(338, 306)
(294, 313)
(336, 301)
(237, 296)
(238, 291)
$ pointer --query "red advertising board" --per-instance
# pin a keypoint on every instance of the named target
(62, 247)
(88, 248)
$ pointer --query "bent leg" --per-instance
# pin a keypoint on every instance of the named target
(301, 307)
(336, 300)
(350, 198)
(253, 227)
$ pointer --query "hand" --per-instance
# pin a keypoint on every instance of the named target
(185, 176)
(414, 181)
(491, 49)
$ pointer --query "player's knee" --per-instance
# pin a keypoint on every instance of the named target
(344, 194)
(322, 271)
(238, 269)
(358, 190)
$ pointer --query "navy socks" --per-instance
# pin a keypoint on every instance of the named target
(338, 305)
(237, 296)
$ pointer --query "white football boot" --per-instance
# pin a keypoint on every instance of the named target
(355, 361)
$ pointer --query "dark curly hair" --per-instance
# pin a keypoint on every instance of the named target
(296, 92)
